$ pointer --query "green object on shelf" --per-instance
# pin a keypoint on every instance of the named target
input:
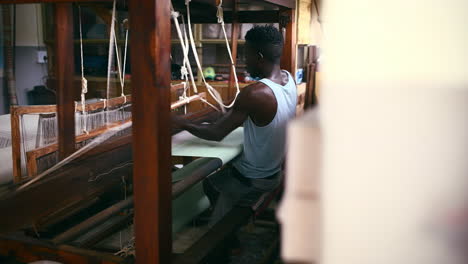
(209, 73)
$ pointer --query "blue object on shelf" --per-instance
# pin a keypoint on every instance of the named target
(299, 75)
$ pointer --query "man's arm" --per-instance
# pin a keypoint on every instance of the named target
(222, 127)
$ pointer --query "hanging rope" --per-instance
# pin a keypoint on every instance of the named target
(125, 58)
(121, 68)
(186, 69)
(216, 96)
(213, 92)
(220, 15)
(111, 51)
(84, 82)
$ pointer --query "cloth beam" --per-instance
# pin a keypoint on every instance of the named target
(185, 144)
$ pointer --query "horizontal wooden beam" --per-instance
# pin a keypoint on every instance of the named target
(27, 250)
(198, 170)
(93, 221)
(37, 109)
(57, 216)
(264, 16)
(188, 100)
(109, 227)
(283, 3)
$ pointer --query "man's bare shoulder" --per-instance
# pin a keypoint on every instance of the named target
(257, 90)
(256, 97)
(253, 87)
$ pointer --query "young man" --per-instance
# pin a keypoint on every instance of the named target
(263, 108)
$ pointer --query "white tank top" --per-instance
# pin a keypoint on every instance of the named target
(264, 147)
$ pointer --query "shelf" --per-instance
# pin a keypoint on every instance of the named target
(122, 42)
(221, 41)
(89, 41)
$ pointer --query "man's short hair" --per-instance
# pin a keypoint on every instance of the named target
(267, 40)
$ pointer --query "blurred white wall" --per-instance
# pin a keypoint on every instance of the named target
(395, 132)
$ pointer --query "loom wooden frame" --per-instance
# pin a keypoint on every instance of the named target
(33, 155)
(150, 62)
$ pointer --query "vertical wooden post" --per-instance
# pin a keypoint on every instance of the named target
(15, 144)
(310, 96)
(65, 71)
(288, 60)
(234, 37)
(9, 57)
(151, 73)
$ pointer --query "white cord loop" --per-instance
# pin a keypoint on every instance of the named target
(220, 13)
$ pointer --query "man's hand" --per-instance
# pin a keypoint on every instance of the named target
(226, 124)
(178, 122)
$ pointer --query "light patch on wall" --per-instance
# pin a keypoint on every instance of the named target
(29, 25)
(309, 30)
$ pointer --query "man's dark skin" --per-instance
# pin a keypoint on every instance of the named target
(256, 101)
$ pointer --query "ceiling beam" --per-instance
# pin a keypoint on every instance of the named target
(270, 16)
(283, 3)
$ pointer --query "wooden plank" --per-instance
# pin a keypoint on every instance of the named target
(151, 79)
(93, 221)
(234, 37)
(176, 87)
(28, 250)
(15, 144)
(111, 103)
(288, 59)
(69, 210)
(111, 226)
(65, 72)
(188, 100)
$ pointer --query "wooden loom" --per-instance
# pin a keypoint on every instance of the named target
(33, 155)
(150, 144)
